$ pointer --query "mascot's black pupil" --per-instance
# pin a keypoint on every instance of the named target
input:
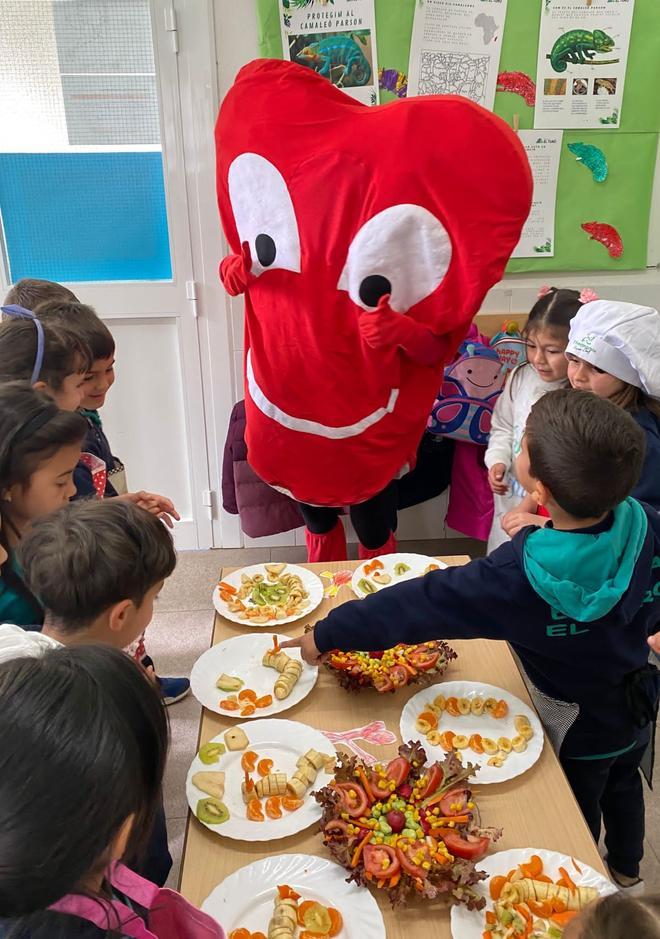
(373, 288)
(266, 250)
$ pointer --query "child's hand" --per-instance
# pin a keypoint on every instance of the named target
(236, 271)
(155, 504)
(496, 481)
(654, 642)
(307, 646)
(514, 521)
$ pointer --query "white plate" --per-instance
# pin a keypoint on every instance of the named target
(469, 924)
(416, 562)
(241, 657)
(247, 897)
(283, 742)
(516, 764)
(312, 584)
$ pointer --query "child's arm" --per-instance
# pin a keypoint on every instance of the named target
(499, 453)
(524, 514)
(459, 602)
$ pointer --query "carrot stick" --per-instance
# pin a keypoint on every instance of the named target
(362, 776)
(358, 850)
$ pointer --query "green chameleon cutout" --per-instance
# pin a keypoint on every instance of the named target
(579, 46)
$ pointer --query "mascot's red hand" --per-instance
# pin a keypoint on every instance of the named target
(384, 327)
(236, 271)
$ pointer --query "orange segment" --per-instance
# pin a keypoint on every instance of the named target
(291, 804)
(264, 702)
(264, 767)
(249, 761)
(247, 694)
(336, 921)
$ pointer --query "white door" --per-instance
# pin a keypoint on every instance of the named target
(93, 194)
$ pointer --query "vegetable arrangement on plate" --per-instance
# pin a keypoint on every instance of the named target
(409, 828)
(393, 668)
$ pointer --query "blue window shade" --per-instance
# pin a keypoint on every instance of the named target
(85, 216)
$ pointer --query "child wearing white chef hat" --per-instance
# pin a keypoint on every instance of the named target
(614, 351)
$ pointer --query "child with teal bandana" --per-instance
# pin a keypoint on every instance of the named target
(576, 600)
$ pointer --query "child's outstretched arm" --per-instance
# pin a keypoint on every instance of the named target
(459, 602)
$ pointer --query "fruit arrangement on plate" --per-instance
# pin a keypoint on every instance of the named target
(393, 668)
(408, 827)
(531, 893)
(290, 918)
(268, 593)
(390, 569)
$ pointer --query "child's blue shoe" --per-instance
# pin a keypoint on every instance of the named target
(173, 689)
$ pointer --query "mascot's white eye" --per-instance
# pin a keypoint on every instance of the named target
(264, 214)
(403, 251)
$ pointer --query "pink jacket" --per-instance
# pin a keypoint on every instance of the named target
(170, 915)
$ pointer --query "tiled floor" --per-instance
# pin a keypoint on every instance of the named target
(181, 631)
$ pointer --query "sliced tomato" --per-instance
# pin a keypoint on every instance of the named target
(380, 860)
(407, 850)
(382, 683)
(336, 826)
(471, 847)
(399, 676)
(353, 797)
(435, 778)
(455, 801)
(397, 770)
(423, 659)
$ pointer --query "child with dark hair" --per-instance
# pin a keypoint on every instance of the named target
(98, 473)
(39, 449)
(121, 556)
(84, 743)
(51, 356)
(576, 600)
(98, 380)
(546, 334)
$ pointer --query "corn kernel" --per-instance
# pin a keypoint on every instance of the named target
(426, 865)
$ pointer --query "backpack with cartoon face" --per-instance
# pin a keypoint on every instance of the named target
(471, 386)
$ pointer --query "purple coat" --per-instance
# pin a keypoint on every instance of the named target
(262, 510)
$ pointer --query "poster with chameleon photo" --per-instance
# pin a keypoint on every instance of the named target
(582, 62)
(335, 38)
(455, 48)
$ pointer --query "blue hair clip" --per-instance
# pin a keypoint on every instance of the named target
(21, 313)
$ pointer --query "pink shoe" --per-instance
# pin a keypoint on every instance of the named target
(388, 548)
(328, 547)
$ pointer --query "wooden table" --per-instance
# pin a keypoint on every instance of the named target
(535, 810)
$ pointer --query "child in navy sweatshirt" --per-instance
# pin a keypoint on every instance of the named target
(576, 600)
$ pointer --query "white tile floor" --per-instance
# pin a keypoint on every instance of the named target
(181, 631)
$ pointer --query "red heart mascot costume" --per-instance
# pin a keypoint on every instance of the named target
(364, 239)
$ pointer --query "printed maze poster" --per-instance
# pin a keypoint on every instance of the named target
(455, 48)
(335, 38)
(583, 56)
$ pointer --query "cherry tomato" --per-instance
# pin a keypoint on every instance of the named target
(435, 778)
(397, 770)
(380, 860)
(455, 801)
(399, 676)
(353, 797)
(471, 848)
(407, 850)
(382, 683)
(423, 659)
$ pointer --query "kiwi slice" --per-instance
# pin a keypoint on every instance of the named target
(212, 811)
(211, 752)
